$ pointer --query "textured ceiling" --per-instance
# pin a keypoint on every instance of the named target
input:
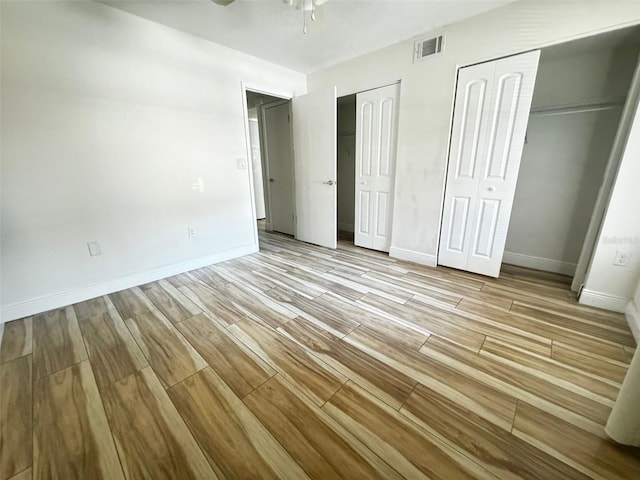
(271, 30)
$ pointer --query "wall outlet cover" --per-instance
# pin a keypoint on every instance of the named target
(241, 163)
(621, 259)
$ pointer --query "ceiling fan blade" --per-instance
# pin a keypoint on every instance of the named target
(224, 3)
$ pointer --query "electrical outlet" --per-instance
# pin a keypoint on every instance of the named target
(198, 186)
(241, 163)
(94, 249)
(621, 259)
(191, 231)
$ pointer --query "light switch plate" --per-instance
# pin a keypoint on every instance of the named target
(94, 249)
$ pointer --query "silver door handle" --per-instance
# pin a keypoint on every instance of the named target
(364, 183)
(329, 182)
(492, 189)
(271, 180)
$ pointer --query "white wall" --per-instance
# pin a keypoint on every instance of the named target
(107, 120)
(346, 163)
(565, 156)
(609, 285)
(427, 96)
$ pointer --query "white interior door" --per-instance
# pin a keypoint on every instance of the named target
(490, 118)
(376, 145)
(279, 165)
(314, 141)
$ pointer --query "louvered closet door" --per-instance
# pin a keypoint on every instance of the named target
(376, 132)
(489, 125)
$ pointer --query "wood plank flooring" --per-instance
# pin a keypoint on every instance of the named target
(301, 362)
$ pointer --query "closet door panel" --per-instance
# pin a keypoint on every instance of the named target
(471, 120)
(364, 219)
(490, 119)
(376, 144)
(503, 126)
(366, 153)
(466, 153)
(510, 104)
(458, 224)
(387, 103)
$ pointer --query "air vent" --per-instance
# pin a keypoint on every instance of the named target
(429, 47)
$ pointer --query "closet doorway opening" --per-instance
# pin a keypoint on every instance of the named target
(367, 126)
(571, 153)
(270, 145)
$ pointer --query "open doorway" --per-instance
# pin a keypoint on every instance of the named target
(269, 124)
(346, 158)
(567, 160)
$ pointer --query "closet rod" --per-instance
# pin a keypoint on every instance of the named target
(596, 105)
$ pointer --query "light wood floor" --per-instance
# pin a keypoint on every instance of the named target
(303, 362)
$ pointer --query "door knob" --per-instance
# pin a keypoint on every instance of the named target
(492, 189)
(271, 180)
(329, 182)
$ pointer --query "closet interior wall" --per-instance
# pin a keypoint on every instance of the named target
(566, 151)
(346, 162)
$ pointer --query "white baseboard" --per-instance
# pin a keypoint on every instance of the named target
(633, 317)
(57, 300)
(413, 256)
(345, 227)
(539, 263)
(606, 301)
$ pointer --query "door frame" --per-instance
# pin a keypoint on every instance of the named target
(254, 88)
(266, 173)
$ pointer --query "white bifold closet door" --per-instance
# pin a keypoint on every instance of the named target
(490, 119)
(376, 139)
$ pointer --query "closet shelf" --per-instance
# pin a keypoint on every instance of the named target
(346, 134)
(593, 106)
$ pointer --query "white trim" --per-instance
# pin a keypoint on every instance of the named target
(633, 317)
(61, 299)
(413, 256)
(539, 263)
(603, 300)
(247, 139)
(346, 227)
